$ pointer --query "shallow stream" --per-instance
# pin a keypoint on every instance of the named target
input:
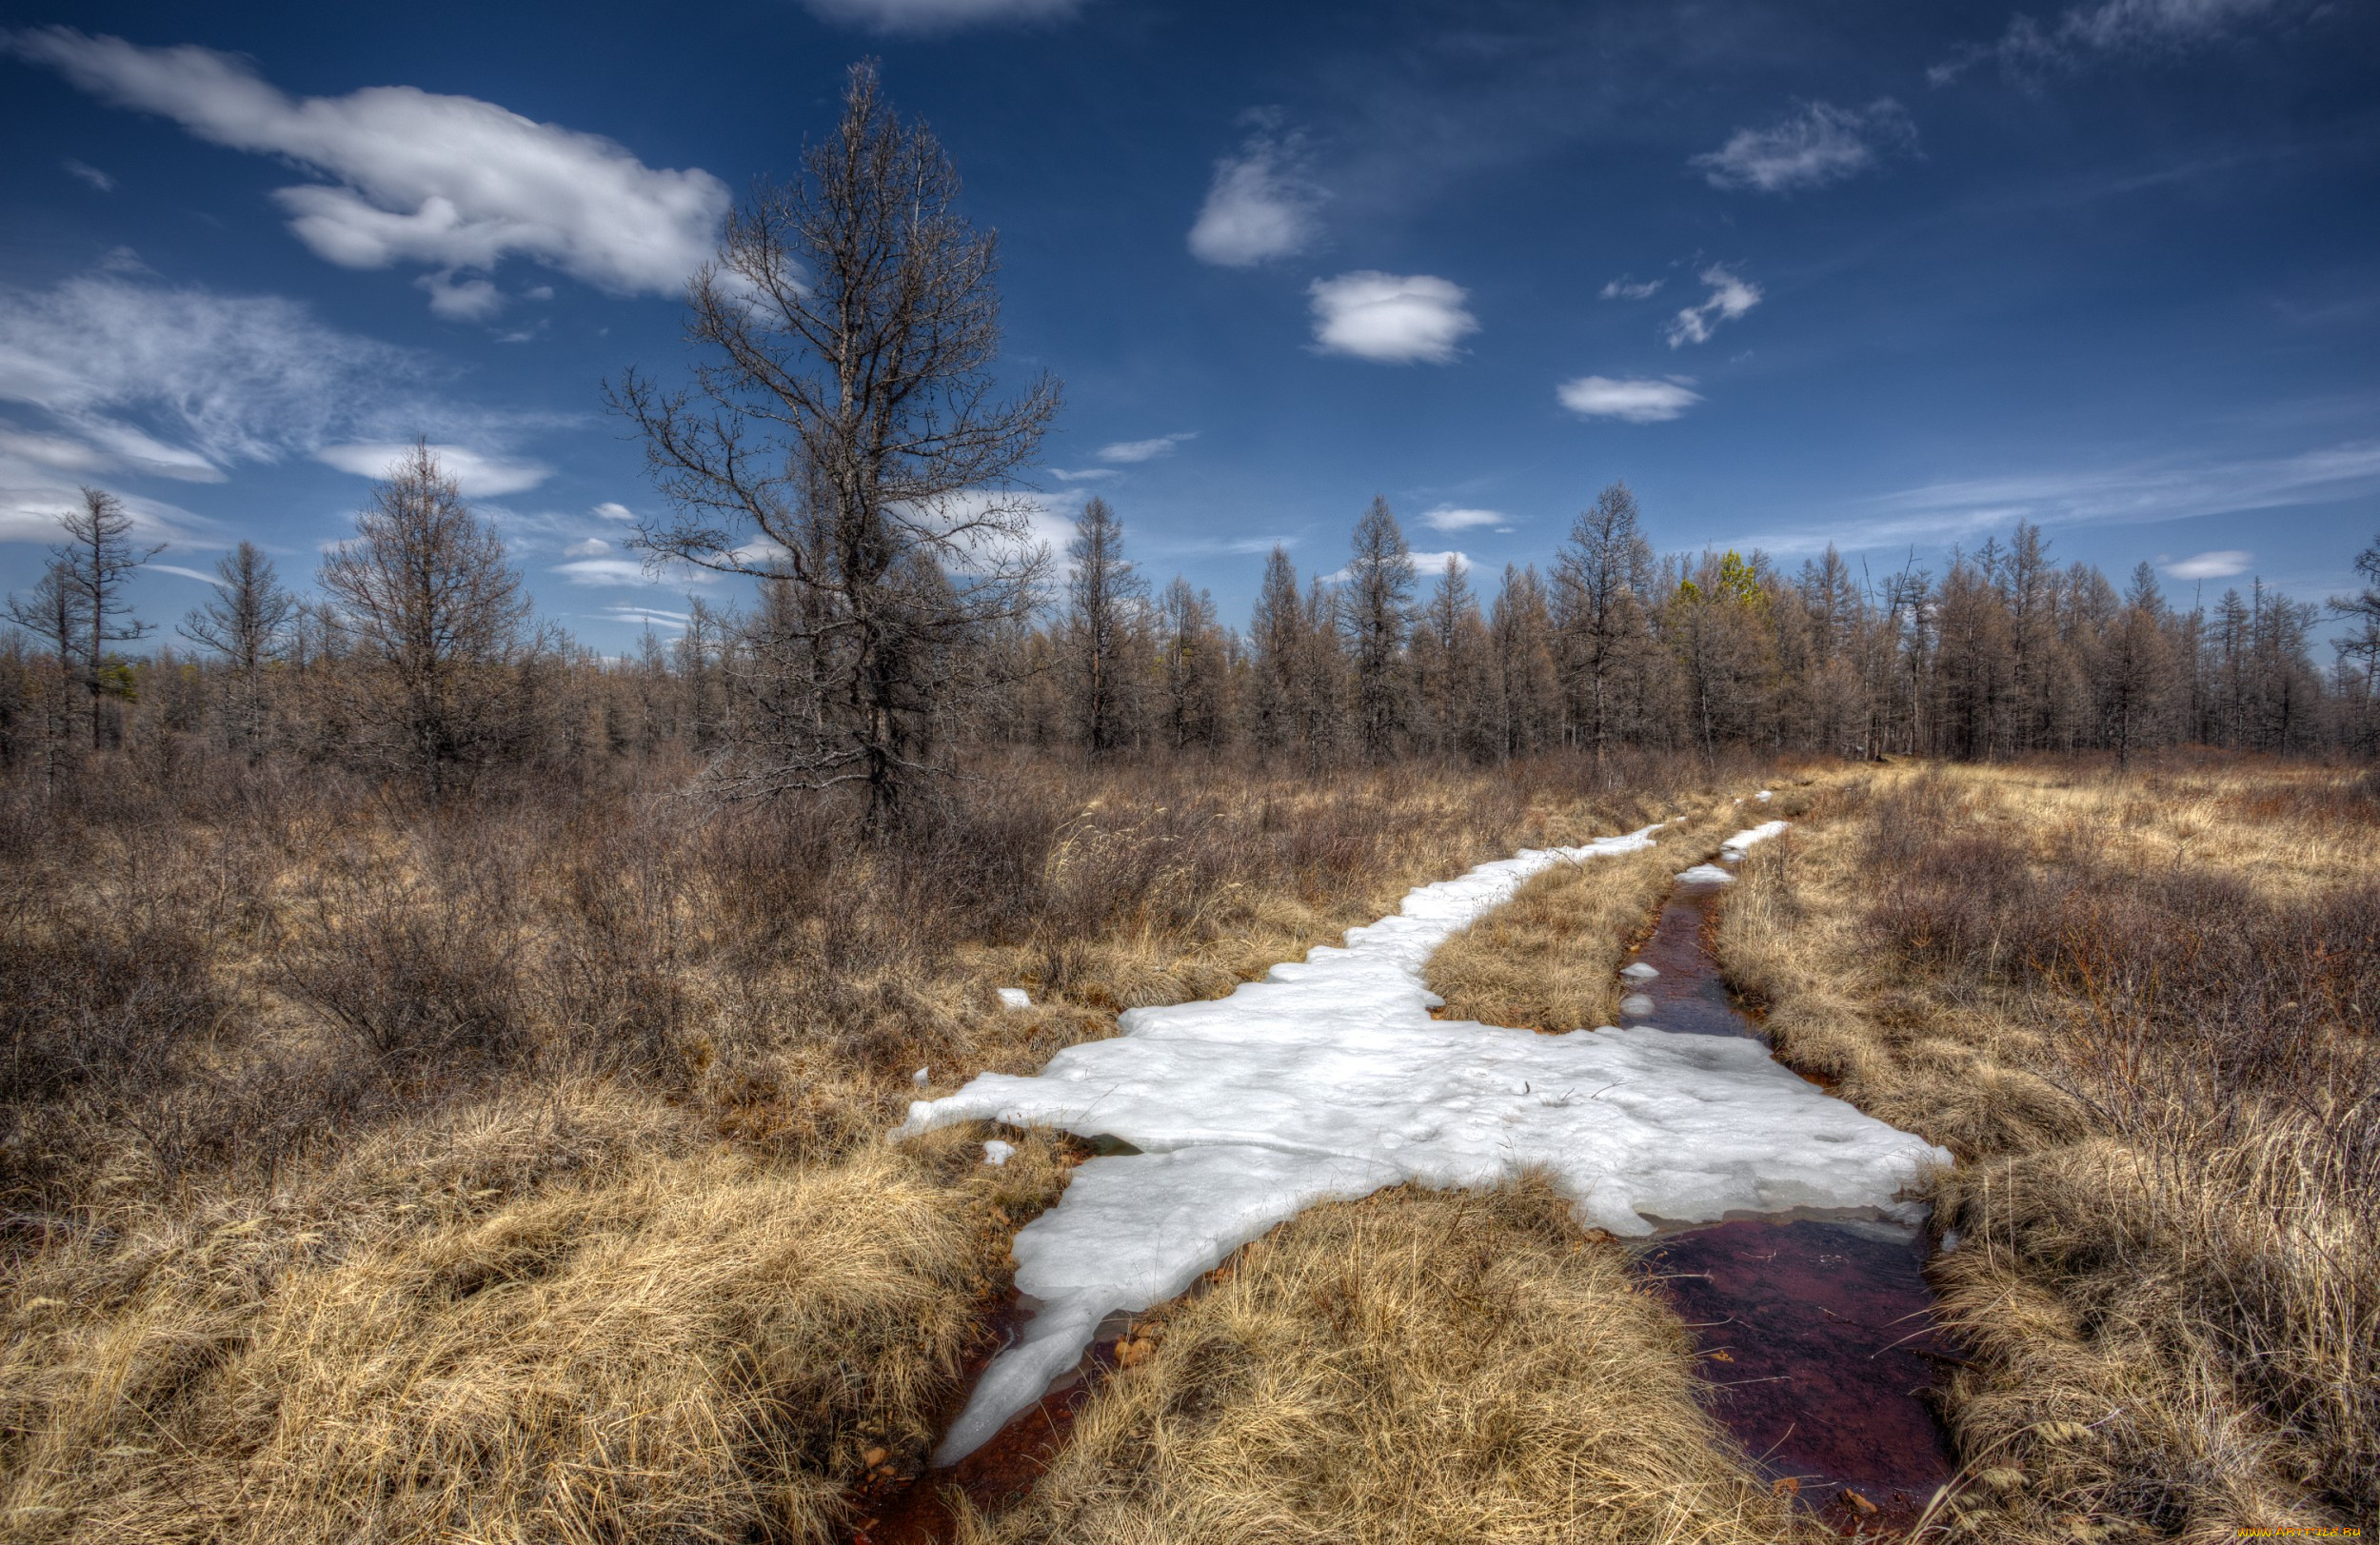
(1816, 1330)
(1816, 1325)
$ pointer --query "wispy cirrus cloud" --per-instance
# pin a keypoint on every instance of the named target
(476, 472)
(932, 17)
(1130, 451)
(2029, 49)
(1625, 289)
(1395, 319)
(1730, 298)
(1813, 146)
(1936, 514)
(453, 183)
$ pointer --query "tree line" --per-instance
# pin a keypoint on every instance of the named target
(841, 445)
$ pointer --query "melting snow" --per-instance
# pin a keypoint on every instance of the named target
(1329, 1080)
(920, 1078)
(1705, 873)
(1015, 997)
(1636, 1005)
(996, 1153)
(1639, 972)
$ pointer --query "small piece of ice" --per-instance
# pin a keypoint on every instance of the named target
(1639, 972)
(1762, 795)
(1705, 873)
(1015, 998)
(1635, 1004)
(996, 1152)
(920, 1079)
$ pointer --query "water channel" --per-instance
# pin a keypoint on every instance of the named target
(1817, 1331)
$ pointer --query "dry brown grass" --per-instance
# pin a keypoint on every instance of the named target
(1416, 1366)
(1548, 958)
(2142, 1013)
(514, 1172)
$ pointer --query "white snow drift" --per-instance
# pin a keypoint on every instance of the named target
(1329, 1080)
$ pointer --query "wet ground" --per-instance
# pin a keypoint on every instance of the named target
(1817, 1331)
(914, 1510)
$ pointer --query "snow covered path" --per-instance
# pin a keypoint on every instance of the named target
(1329, 1080)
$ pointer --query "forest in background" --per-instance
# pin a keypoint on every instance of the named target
(417, 655)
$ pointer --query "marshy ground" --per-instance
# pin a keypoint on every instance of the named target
(516, 1173)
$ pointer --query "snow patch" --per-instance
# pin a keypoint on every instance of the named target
(997, 1152)
(1640, 972)
(1329, 1080)
(1764, 795)
(919, 1078)
(1015, 998)
(1636, 1005)
(1705, 873)
(1757, 834)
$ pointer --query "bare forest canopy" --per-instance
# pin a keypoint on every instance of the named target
(840, 446)
(418, 656)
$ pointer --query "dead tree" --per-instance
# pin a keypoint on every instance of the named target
(1379, 589)
(247, 623)
(842, 435)
(425, 596)
(1101, 592)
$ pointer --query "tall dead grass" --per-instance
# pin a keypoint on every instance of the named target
(512, 1171)
(1416, 1366)
(2143, 1015)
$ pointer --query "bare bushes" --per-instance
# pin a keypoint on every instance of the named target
(1416, 1366)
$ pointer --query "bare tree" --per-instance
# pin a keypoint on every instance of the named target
(425, 594)
(53, 614)
(85, 581)
(1602, 577)
(1101, 590)
(246, 623)
(1195, 663)
(1379, 589)
(842, 433)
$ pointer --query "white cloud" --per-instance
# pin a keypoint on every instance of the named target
(2209, 565)
(1390, 318)
(184, 383)
(2112, 27)
(89, 173)
(604, 571)
(643, 616)
(1087, 474)
(932, 16)
(610, 510)
(152, 567)
(1144, 450)
(1630, 399)
(1448, 518)
(1428, 565)
(1730, 298)
(470, 300)
(1260, 203)
(451, 182)
(1624, 288)
(1940, 513)
(1816, 144)
(587, 547)
(478, 473)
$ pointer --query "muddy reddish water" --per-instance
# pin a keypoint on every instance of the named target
(1816, 1333)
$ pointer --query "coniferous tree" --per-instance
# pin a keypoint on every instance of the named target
(1379, 587)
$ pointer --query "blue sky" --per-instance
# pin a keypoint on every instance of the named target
(1880, 274)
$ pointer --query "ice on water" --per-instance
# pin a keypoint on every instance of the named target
(1329, 1080)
